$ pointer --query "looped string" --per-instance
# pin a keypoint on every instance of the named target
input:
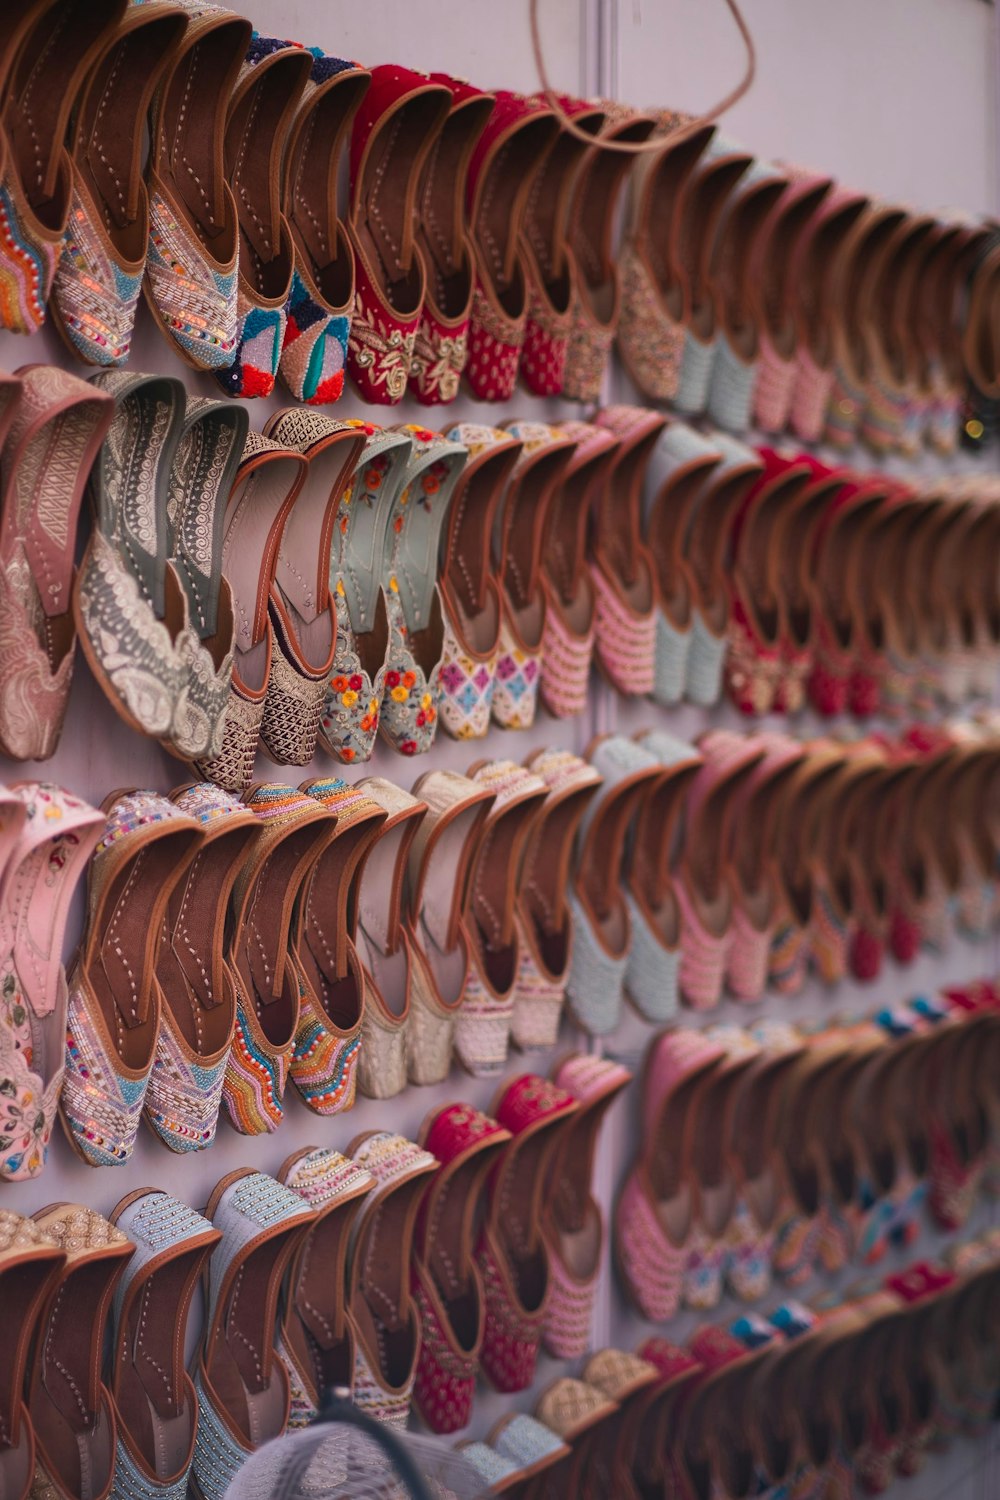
(655, 143)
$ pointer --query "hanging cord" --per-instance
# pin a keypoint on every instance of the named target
(634, 148)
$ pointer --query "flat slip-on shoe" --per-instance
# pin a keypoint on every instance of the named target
(393, 134)
(518, 543)
(241, 1385)
(593, 213)
(470, 591)
(71, 1409)
(192, 259)
(482, 1025)
(447, 1287)
(301, 605)
(156, 1408)
(30, 1263)
(794, 582)
(328, 1038)
(656, 1411)
(608, 1452)
(381, 1306)
(113, 1018)
(792, 946)
(98, 280)
(15, 27)
(542, 914)
(895, 409)
(268, 481)
(442, 343)
(576, 1411)
(314, 353)
(570, 603)
(293, 828)
(47, 839)
(441, 860)
(53, 432)
(315, 1339)
(549, 269)
(198, 1014)
(264, 103)
(57, 46)
(510, 150)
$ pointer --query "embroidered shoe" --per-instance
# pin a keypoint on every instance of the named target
(192, 257)
(470, 592)
(413, 689)
(113, 1016)
(321, 300)
(30, 1265)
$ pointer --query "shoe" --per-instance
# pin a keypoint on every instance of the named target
(659, 1410)
(935, 292)
(30, 1264)
(50, 51)
(521, 524)
(620, 563)
(192, 259)
(394, 132)
(541, 913)
(314, 353)
(838, 537)
(381, 1304)
(509, 152)
(795, 584)
(47, 840)
(593, 213)
(570, 606)
(791, 945)
(315, 1337)
(99, 275)
(155, 1404)
(414, 690)
(578, 1413)
(608, 1452)
(832, 813)
(198, 989)
(263, 106)
(446, 1284)
(54, 426)
(113, 1018)
(895, 412)
(241, 1385)
(482, 1025)
(441, 347)
(470, 592)
(549, 269)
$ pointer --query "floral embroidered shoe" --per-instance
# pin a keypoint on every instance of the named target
(510, 150)
(442, 343)
(510, 1251)
(331, 984)
(53, 432)
(198, 1014)
(99, 275)
(315, 1338)
(303, 613)
(46, 841)
(212, 439)
(292, 828)
(192, 258)
(261, 111)
(653, 1218)
(572, 1223)
(156, 1413)
(241, 1385)
(381, 1306)
(30, 1265)
(441, 862)
(545, 453)
(542, 915)
(50, 51)
(413, 689)
(70, 1459)
(482, 1025)
(470, 592)
(268, 481)
(593, 212)
(394, 133)
(549, 270)
(113, 1017)
(570, 606)
(447, 1287)
(314, 354)
(654, 956)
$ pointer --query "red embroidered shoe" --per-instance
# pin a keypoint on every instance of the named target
(394, 133)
